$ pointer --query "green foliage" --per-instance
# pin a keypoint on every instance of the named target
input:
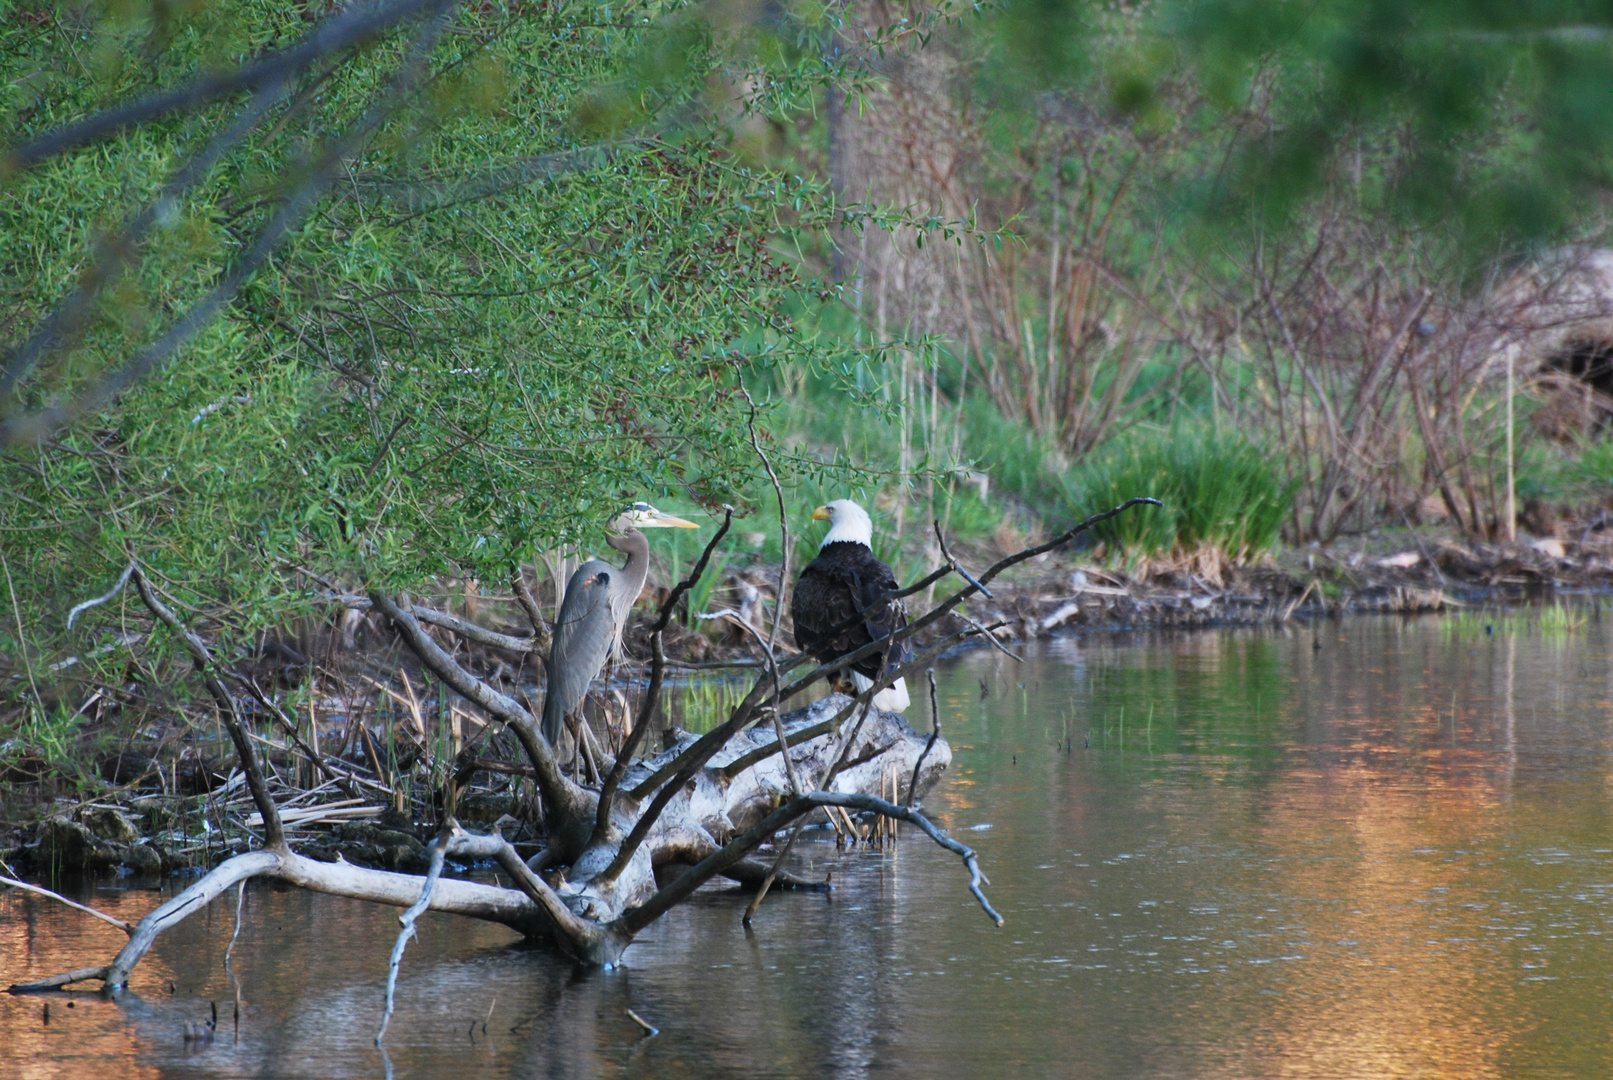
(489, 337)
(1219, 491)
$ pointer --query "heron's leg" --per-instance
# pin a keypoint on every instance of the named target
(582, 757)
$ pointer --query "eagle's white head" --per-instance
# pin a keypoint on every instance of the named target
(848, 522)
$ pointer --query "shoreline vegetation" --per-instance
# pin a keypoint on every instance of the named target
(165, 796)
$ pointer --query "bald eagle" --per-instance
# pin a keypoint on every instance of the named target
(843, 581)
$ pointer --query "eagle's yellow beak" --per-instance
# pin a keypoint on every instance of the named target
(821, 514)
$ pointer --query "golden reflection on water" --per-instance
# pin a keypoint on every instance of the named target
(37, 941)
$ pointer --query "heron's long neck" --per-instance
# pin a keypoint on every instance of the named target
(636, 569)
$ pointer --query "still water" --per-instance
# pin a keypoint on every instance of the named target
(1370, 848)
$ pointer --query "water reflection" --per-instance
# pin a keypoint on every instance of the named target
(1221, 855)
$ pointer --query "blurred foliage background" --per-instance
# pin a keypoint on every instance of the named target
(438, 301)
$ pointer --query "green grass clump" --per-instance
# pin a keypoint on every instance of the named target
(1219, 491)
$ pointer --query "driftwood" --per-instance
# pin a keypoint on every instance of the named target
(656, 830)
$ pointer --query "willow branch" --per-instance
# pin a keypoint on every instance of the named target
(35, 426)
(353, 26)
(112, 255)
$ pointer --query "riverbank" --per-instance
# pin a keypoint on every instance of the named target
(140, 793)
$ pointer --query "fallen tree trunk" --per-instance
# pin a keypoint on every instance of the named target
(704, 804)
(709, 824)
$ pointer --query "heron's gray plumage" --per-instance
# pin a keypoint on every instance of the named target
(599, 597)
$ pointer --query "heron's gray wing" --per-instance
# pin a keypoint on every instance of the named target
(583, 636)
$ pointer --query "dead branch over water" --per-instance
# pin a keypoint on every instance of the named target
(712, 799)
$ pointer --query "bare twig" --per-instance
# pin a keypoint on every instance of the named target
(479, 634)
(439, 848)
(652, 693)
(240, 906)
(103, 916)
(772, 667)
(273, 833)
(341, 778)
(952, 564)
(78, 609)
(637, 918)
(783, 595)
(935, 733)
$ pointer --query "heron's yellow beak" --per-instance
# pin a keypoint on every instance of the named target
(667, 521)
(821, 514)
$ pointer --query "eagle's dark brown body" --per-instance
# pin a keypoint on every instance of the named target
(844, 581)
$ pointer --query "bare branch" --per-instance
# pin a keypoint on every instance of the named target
(352, 26)
(439, 847)
(56, 982)
(78, 609)
(772, 668)
(198, 896)
(103, 916)
(529, 604)
(685, 765)
(944, 608)
(273, 834)
(479, 634)
(635, 919)
(935, 733)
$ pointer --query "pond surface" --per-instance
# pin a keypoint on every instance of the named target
(1370, 848)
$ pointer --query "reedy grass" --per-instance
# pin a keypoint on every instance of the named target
(1219, 491)
(1556, 620)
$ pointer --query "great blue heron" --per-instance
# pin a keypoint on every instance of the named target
(842, 582)
(598, 599)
